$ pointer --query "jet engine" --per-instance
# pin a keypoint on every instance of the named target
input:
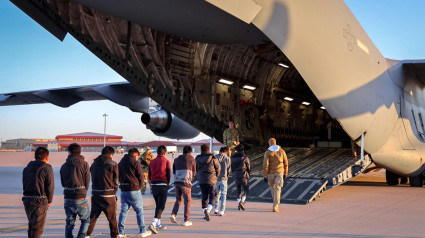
(164, 124)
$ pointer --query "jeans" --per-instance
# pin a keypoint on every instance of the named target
(186, 193)
(221, 195)
(209, 194)
(107, 205)
(131, 199)
(36, 218)
(74, 207)
(159, 193)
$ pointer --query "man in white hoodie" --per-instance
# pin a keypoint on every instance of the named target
(275, 169)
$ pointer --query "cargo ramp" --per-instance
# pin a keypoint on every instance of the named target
(311, 172)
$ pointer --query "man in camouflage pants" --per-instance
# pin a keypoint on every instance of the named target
(145, 159)
(231, 137)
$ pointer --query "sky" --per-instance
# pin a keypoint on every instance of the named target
(32, 59)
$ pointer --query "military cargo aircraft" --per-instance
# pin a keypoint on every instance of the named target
(302, 71)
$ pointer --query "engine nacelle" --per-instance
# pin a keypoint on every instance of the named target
(163, 123)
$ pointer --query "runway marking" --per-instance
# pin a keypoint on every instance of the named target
(11, 229)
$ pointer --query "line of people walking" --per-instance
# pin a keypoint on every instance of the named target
(128, 175)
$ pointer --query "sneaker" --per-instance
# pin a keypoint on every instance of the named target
(242, 205)
(187, 223)
(221, 213)
(216, 212)
(145, 234)
(153, 229)
(122, 236)
(161, 227)
(173, 218)
(206, 215)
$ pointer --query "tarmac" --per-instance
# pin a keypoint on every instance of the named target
(363, 207)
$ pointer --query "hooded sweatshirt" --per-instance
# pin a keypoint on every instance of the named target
(75, 177)
(225, 166)
(38, 183)
(104, 174)
(241, 166)
(184, 170)
(208, 168)
(131, 173)
(275, 160)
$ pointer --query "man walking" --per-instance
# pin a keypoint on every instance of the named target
(38, 185)
(275, 169)
(208, 169)
(131, 180)
(104, 173)
(184, 170)
(145, 159)
(159, 177)
(225, 165)
(241, 168)
(75, 180)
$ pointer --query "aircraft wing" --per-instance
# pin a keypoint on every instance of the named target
(121, 93)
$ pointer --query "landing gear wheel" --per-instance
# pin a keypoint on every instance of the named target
(416, 181)
(392, 178)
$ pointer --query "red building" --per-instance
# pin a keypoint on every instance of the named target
(89, 141)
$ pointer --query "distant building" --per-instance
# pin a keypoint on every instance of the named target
(89, 141)
(22, 144)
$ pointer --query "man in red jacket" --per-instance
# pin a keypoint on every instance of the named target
(159, 177)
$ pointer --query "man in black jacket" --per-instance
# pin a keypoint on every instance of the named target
(75, 180)
(131, 180)
(104, 174)
(208, 168)
(38, 185)
(184, 170)
(241, 168)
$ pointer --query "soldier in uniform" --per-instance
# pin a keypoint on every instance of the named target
(145, 159)
(231, 137)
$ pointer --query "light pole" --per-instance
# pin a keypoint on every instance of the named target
(104, 130)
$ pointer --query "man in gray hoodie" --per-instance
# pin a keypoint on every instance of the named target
(222, 180)
(208, 169)
(184, 170)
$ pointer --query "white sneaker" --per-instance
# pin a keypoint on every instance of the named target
(221, 213)
(187, 223)
(122, 236)
(146, 233)
(173, 218)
